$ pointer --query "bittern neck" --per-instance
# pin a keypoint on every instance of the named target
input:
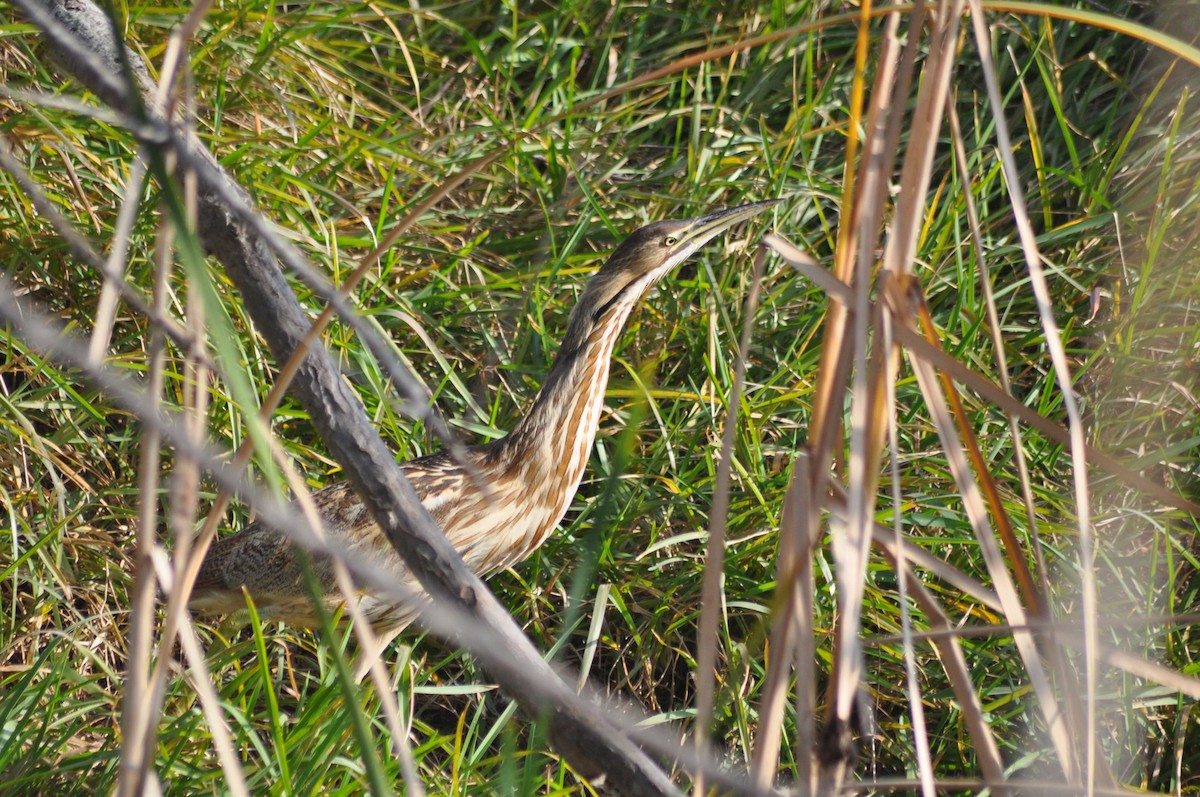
(560, 427)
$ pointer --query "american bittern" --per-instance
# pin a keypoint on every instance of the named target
(531, 474)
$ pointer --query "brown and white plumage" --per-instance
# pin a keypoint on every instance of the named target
(531, 474)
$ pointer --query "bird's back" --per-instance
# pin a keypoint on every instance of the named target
(469, 503)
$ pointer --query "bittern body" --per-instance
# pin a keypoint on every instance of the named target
(531, 474)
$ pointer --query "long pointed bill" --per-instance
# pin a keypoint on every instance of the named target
(702, 229)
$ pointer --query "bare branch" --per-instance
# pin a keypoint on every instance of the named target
(247, 247)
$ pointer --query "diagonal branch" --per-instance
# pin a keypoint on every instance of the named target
(81, 38)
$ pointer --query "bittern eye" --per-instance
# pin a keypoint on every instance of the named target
(670, 240)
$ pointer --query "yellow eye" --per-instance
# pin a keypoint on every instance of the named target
(670, 240)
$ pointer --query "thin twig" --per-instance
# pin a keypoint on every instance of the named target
(713, 594)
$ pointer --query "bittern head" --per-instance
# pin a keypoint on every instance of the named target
(651, 252)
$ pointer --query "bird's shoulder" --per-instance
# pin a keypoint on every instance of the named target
(441, 477)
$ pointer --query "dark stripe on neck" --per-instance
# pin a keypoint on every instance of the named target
(604, 308)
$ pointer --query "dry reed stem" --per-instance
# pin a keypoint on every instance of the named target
(114, 277)
(954, 661)
(792, 645)
(136, 714)
(713, 595)
(850, 540)
(370, 645)
(994, 330)
(976, 511)
(913, 688)
(140, 709)
(808, 534)
(1092, 767)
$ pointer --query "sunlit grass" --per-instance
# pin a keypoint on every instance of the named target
(340, 117)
